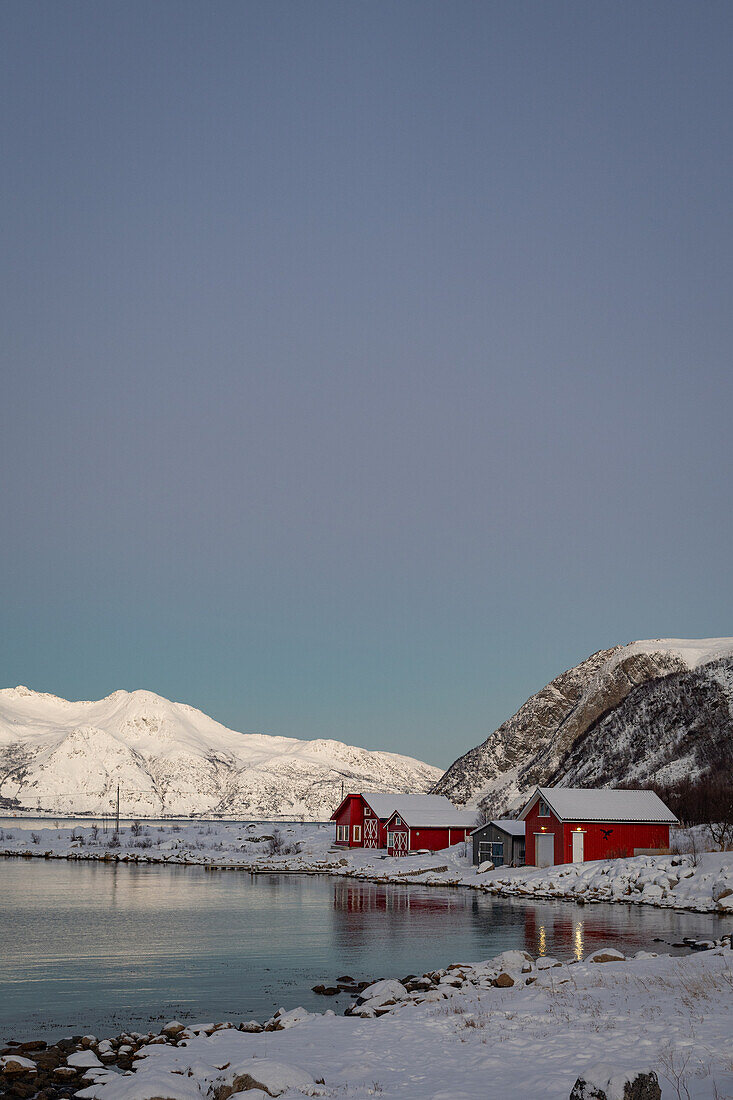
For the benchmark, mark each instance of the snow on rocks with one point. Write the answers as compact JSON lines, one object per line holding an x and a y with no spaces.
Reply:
{"x":604,"y":1083}
{"x":84,"y":1059}
{"x":560,"y":1030}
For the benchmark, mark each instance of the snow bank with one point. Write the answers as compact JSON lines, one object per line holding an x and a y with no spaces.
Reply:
{"x":529,"y":1030}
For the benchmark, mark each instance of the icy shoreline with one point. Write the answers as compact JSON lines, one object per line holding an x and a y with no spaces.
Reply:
{"x":531,"y":1027}
{"x":694,"y":882}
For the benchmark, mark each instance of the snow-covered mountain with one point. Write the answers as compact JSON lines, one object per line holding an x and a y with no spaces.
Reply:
{"x":649,"y":711}
{"x":65,"y":757}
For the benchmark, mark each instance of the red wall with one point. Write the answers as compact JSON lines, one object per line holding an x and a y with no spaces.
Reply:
{"x":533,"y":823}
{"x":622,"y":840}
{"x":430,"y":838}
{"x":352,"y":813}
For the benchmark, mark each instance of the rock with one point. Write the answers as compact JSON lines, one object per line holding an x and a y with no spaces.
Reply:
{"x":31,"y":1045}
{"x":14,"y":1065}
{"x":273,"y":1078}
{"x":88,"y":1041}
{"x":173,"y":1028}
{"x":84,"y":1059}
{"x":602,"y":1083}
{"x":482,"y":868}
{"x":503,"y":981}
{"x":389,"y":989}
{"x":346,"y":978}
{"x":606,"y":955}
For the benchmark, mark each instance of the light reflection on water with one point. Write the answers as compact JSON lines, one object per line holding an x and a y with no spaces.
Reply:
{"x":97,"y":948}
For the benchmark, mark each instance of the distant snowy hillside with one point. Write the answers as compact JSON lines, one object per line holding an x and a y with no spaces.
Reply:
{"x":649,"y":711}
{"x":66,"y":757}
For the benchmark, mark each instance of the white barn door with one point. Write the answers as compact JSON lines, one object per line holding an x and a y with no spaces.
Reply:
{"x":578,"y":846}
{"x":371,"y":832}
{"x":400,"y":844}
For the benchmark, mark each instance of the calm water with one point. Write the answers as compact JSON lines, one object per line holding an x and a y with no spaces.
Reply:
{"x":95,"y":948}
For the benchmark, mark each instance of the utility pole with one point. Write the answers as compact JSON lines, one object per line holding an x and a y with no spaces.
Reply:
{"x":117,"y":830}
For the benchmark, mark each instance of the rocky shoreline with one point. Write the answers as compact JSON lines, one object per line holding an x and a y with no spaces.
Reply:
{"x":39,"y":1070}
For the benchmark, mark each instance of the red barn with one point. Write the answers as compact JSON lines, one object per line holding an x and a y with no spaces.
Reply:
{"x":572,"y":824}
{"x":429,"y":821}
{"x":361,"y":821}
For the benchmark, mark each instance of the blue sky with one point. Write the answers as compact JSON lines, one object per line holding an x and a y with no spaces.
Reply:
{"x":364,"y":365}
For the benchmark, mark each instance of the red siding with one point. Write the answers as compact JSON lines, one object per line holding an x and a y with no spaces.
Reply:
{"x":434,"y":839}
{"x":533,"y":823}
{"x":352,"y":813}
{"x":622,"y":838}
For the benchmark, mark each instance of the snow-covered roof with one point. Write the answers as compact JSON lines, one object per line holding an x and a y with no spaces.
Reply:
{"x":506,"y":824}
{"x":384,"y":805}
{"x":431,"y":810}
{"x":581,"y":804}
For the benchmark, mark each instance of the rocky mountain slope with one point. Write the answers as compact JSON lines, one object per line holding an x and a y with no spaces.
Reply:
{"x":649,"y":711}
{"x":68,"y":757}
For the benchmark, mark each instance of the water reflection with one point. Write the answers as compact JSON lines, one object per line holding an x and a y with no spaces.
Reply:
{"x":94,"y":947}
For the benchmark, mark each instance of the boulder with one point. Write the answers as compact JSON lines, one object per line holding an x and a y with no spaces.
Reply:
{"x":606,"y":955}
{"x":14,"y":1065}
{"x":482,"y":868}
{"x":173,"y":1028}
{"x":388,"y":989}
{"x":601,"y":1082}
{"x":84,"y":1059}
{"x":273,"y":1078}
{"x":504,"y":980}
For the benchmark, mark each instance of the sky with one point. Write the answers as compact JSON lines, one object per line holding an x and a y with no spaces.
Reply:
{"x":364,"y":365}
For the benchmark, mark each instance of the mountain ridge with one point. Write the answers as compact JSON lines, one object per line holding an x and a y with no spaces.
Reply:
{"x":593,"y":725}
{"x":65,"y":756}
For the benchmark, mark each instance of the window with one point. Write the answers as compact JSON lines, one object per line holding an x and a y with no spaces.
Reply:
{"x":521,"y":856}
{"x":367,"y":812}
{"x":543,"y":810}
{"x":342,"y":832}
{"x":390,"y":840}
{"x":398,"y":821}
{"x":356,"y":833}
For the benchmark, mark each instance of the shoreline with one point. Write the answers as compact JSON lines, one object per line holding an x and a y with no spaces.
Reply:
{"x":516,"y":887}
{"x":463,"y":995}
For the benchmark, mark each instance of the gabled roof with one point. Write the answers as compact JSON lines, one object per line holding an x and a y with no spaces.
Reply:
{"x":431,"y":811}
{"x":506,"y":824}
{"x":581,"y":804}
{"x":384,"y":805}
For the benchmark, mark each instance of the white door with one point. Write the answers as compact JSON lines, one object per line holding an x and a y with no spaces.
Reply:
{"x":544,"y":849}
{"x":578,"y":839}
{"x":400,"y":844}
{"x":371,"y":832}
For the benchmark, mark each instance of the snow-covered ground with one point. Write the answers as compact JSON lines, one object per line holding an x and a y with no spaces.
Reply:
{"x":509,"y":1028}
{"x":697,"y":881}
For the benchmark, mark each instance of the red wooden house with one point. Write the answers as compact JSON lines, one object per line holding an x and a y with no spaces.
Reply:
{"x":431,"y":823}
{"x":572,"y":824}
{"x":361,"y":819}
{"x":425,"y":821}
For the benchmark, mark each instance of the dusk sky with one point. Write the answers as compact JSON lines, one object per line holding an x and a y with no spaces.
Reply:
{"x":365,"y":364}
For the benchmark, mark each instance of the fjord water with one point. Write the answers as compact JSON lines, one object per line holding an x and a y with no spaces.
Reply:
{"x":94,"y":948}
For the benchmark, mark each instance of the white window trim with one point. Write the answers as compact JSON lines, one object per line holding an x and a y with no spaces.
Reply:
{"x":342,"y":833}
{"x":543,"y":812}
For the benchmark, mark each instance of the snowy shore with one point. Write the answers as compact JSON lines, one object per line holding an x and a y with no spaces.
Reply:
{"x":696,"y":882}
{"x":511,"y":1027}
